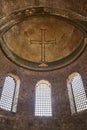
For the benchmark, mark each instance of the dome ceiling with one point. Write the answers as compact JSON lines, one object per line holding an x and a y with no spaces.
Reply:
{"x":41,"y":40}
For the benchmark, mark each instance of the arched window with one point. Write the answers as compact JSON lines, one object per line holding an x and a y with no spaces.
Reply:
{"x":77,"y":95}
{"x":43,"y":99}
{"x":9,"y":96}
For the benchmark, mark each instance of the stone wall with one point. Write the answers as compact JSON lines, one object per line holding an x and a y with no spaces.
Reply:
{"x":24,"y":119}
{"x":8,"y":6}
{"x":62,"y":119}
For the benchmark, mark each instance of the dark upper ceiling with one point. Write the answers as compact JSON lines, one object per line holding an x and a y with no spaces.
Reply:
{"x":79,"y":6}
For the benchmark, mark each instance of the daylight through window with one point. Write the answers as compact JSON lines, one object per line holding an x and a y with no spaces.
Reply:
{"x":78,"y":92}
{"x":7,"y":93}
{"x":43,"y":99}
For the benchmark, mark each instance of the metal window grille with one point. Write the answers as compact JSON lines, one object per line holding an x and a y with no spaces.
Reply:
{"x":43,"y":100}
{"x":79,"y":93}
{"x":7,"y":94}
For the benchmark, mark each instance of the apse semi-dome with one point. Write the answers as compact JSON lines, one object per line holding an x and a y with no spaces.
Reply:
{"x":40,"y":40}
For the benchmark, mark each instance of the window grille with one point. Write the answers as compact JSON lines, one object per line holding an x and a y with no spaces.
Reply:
{"x":10,"y":92}
{"x":78,"y":93}
{"x":7,"y":94}
{"x":43,"y":100}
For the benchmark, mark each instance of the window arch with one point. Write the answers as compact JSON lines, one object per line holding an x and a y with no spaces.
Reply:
{"x":76,"y":91}
{"x":43,"y":99}
{"x":9,"y":95}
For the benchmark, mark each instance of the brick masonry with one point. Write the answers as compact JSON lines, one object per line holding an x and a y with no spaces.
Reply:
{"x":24,"y":119}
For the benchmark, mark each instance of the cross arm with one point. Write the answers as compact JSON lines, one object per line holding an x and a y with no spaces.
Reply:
{"x":35,"y":42}
{"x":51,"y":42}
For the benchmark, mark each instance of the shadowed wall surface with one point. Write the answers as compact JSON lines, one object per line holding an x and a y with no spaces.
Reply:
{"x":24,"y":118}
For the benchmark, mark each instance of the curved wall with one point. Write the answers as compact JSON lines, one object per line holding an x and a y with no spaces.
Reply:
{"x":62,"y":119}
